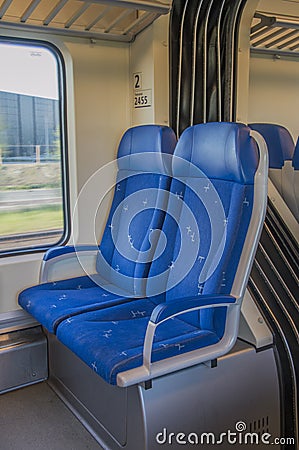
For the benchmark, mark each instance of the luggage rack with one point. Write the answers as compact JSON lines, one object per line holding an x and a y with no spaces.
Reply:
{"x":278,"y":36}
{"x":117,"y":20}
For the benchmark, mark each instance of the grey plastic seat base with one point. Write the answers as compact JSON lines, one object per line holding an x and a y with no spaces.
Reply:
{"x":243,"y":387}
{"x":23,"y":357}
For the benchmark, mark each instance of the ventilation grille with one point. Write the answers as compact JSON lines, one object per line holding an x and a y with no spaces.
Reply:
{"x":118,"y":20}
{"x":259,"y":426}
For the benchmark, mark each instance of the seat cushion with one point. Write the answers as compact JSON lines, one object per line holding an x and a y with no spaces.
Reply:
{"x":111,"y":340}
{"x":50,"y":303}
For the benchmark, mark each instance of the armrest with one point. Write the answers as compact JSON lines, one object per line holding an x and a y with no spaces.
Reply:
{"x":64,"y":250}
{"x":165,"y":311}
{"x":66,"y":262}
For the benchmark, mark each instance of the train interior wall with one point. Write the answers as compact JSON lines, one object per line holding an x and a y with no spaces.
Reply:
{"x":100,"y":107}
{"x":100,"y":96}
{"x":270,"y":99}
{"x":268,"y":87}
{"x":265,"y":78}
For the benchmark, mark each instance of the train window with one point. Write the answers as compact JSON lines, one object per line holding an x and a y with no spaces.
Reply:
{"x":32,"y":150}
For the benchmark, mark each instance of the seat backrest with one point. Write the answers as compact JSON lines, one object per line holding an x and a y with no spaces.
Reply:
{"x":281,"y":149}
{"x":209,"y":218}
{"x":295,"y":160}
{"x":279,"y":142}
{"x":138,"y":206}
{"x":295,"y":167}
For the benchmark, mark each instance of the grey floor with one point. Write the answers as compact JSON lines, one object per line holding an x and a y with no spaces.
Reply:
{"x":34,"y":418}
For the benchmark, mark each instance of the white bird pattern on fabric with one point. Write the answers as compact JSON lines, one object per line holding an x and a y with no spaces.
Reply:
{"x":94,"y":367}
{"x":138,"y":313}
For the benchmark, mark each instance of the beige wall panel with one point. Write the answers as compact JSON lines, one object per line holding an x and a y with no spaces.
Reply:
{"x":149,"y":58}
{"x":274,"y":92}
{"x":101,"y":92}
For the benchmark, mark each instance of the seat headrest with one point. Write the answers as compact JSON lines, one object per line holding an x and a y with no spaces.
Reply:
{"x":156,"y":140}
{"x":279,"y":142}
{"x":221,"y":150}
{"x":295,"y":162}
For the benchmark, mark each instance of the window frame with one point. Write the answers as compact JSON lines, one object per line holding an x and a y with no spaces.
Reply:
{"x":64,"y":151}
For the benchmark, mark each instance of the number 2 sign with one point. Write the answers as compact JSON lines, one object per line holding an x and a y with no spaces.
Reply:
{"x":142,"y":97}
{"x":137,"y":80}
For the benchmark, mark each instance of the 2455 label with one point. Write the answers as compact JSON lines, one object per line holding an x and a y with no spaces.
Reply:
{"x":143,"y":99}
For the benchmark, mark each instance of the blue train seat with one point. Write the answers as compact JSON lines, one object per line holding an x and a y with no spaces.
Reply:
{"x":281,"y":149}
{"x":141,"y":186}
{"x":279,"y":141}
{"x":295,"y":167}
{"x":214,"y":217}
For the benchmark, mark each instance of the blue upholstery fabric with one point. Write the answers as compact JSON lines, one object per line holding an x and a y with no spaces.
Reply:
{"x":221,"y":150}
{"x":281,"y":159}
{"x":145,"y":174}
{"x":141,"y":179}
{"x":50,"y":303}
{"x":237,"y":202}
{"x":295,"y":179}
{"x":207,"y":219}
{"x":295,"y":162}
{"x":111,"y":340}
{"x":121,"y":254}
{"x":279,"y":142}
{"x":229,"y":169}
